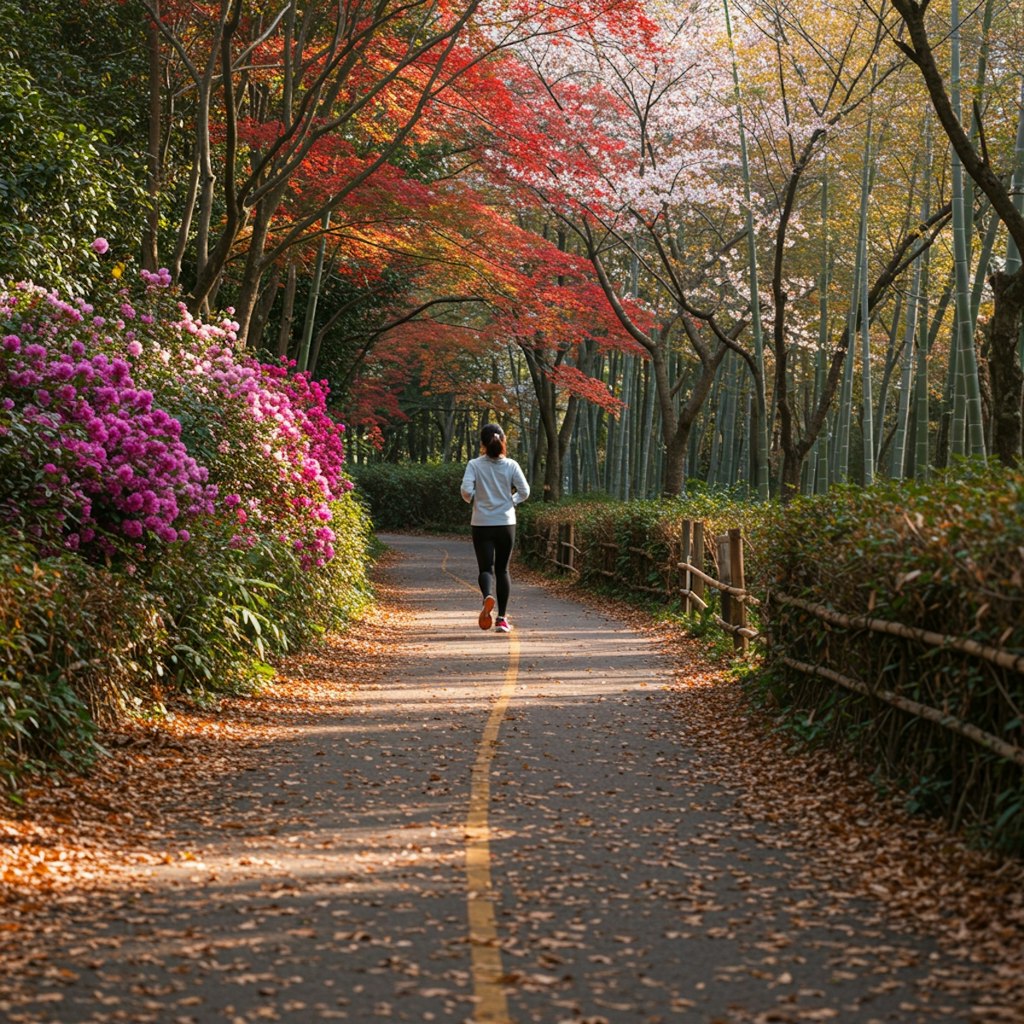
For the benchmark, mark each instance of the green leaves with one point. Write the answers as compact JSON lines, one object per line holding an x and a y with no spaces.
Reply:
{"x":413,"y":496}
{"x":60,"y":187}
{"x":70,"y":114}
{"x":947,"y":558}
{"x":77,"y":645}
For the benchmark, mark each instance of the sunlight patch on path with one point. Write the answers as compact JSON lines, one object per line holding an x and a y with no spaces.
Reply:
{"x":485,"y":950}
{"x":483,"y":932}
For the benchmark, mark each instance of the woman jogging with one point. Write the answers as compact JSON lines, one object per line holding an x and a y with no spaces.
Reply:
{"x":494,"y":484}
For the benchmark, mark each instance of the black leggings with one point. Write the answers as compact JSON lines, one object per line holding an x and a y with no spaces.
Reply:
{"x":493,"y":547}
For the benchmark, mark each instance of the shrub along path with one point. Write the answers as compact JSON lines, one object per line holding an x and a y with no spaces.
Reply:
{"x":424,"y":822}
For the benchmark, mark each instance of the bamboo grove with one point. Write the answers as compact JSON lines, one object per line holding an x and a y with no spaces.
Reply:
{"x":770,"y":246}
{"x":846,"y":287}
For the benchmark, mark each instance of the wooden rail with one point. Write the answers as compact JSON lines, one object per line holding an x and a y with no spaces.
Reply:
{"x":996,"y":655}
{"x":557,"y":547}
{"x":735,"y":596}
{"x":943,"y":718}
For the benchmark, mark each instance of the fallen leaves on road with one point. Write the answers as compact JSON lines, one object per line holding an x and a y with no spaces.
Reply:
{"x":855,"y":843}
{"x":78,"y":835}
{"x":76,"y":830}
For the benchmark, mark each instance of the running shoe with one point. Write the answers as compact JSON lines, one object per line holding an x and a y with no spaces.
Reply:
{"x":503,"y":625}
{"x":486,"y":612}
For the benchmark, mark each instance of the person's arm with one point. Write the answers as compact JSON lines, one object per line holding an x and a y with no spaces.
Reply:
{"x":469,"y":483}
{"x":520,"y":484}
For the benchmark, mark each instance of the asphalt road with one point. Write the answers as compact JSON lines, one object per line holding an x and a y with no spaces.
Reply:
{"x":510,"y":828}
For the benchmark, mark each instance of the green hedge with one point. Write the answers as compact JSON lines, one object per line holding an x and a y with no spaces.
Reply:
{"x":231,"y":610}
{"x":79,"y":646}
{"x":947,"y":558}
{"x":84,"y":647}
{"x":653,"y":527}
{"x":412,"y":496}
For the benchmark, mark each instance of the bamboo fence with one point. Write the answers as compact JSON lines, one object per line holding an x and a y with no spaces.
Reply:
{"x":686,"y":577}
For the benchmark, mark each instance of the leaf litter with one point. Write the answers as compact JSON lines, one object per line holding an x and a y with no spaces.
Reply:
{"x":80,"y":840}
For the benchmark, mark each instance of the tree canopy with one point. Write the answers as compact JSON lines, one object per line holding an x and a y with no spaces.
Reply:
{"x":769,"y":246}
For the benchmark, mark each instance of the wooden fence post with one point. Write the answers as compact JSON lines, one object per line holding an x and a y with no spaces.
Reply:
{"x":566,"y":547}
{"x":737,"y":608}
{"x":687,"y":577}
{"x":725,"y":573}
{"x":697,"y":559}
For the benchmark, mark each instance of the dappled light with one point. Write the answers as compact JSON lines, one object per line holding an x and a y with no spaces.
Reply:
{"x":511,"y":512}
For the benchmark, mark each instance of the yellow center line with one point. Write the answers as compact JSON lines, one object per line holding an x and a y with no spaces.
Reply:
{"x":485,"y":951}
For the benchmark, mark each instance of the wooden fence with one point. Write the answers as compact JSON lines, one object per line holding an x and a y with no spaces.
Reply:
{"x":684,"y":575}
{"x":830,"y":618}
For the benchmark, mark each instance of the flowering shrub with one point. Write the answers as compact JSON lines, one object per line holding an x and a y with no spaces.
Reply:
{"x":115,"y":466}
{"x":200,"y":492}
{"x":277,"y":454}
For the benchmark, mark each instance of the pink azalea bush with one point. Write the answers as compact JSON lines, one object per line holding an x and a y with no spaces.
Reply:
{"x":187,"y":502}
{"x":279,"y":454}
{"x":104,"y":394}
{"x":115,"y":466}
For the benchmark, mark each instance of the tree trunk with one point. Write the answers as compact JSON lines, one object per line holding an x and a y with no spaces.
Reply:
{"x":548,"y":411}
{"x":284,"y":336}
{"x":258,"y":324}
{"x":150,"y":252}
{"x":674,"y":476}
{"x":1004,"y":365}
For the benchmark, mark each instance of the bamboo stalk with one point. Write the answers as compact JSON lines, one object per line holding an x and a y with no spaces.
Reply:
{"x":922,"y":463}
{"x":868,"y":418}
{"x":996,"y":655}
{"x":967,"y":432}
{"x":820,"y":451}
{"x":947,"y":721}
{"x":736,"y":592}
{"x":1013,"y":256}
{"x":760,"y":443}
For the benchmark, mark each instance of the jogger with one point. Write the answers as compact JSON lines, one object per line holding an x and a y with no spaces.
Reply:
{"x":494,"y":484}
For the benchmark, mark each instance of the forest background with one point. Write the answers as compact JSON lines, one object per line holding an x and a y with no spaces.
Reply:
{"x":760,"y":250}
{"x":659,"y":241}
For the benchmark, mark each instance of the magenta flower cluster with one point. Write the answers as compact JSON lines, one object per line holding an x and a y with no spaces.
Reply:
{"x":116,"y":465}
{"x":282,"y":419}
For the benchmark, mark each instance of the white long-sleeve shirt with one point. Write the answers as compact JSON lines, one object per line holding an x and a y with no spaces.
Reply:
{"x":495,"y":487}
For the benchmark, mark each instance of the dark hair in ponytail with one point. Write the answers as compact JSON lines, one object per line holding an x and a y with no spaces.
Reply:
{"x":492,"y":440}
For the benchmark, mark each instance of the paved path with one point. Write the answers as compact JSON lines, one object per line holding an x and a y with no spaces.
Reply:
{"x":510,"y":829}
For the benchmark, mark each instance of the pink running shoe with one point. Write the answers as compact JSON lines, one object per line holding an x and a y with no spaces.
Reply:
{"x":503,"y":625}
{"x":485,"y":612}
